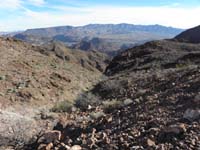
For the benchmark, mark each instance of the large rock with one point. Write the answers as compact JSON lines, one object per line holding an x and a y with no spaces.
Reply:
{"x":173,"y":131}
{"x":50,"y":136}
{"x":191,"y":114}
{"x":75,"y":147}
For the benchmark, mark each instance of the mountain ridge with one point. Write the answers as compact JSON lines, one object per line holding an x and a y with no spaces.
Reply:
{"x":118,"y":35}
{"x":191,"y":36}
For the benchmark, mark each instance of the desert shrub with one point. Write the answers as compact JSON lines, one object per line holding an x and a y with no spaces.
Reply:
{"x":64,"y":106}
{"x":108,"y":106}
{"x":111,"y":85}
{"x":86,"y":99}
{"x":179,"y":66}
{"x":12,"y":90}
{"x":111,"y":89}
{"x":2,"y":77}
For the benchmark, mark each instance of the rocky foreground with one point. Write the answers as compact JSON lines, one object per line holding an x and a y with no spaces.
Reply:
{"x":151,"y":100}
{"x":159,"y":111}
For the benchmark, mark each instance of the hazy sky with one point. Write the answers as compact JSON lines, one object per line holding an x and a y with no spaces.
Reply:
{"x":24,"y":14}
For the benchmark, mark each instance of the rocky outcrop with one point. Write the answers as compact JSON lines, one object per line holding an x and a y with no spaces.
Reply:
{"x":97,"y":44}
{"x":90,"y":60}
{"x":190,"y":36}
{"x":155,"y":55}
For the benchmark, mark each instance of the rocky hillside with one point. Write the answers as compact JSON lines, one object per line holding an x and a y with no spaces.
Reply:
{"x":33,"y":79}
{"x":114,"y":37}
{"x":26,"y":68}
{"x":151,"y":100}
{"x":155,"y":55}
{"x":190,"y":36}
{"x":96,"y":44}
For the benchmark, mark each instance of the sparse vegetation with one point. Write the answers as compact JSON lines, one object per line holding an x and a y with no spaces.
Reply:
{"x":86,"y":99}
{"x":111,"y":105}
{"x":179,"y":66}
{"x":112,"y":85}
{"x":2,"y":77}
{"x":64,"y":106}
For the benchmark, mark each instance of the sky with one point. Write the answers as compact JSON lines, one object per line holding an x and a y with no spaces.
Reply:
{"x":18,"y":15}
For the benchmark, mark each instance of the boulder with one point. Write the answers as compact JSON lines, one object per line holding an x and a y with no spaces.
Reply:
{"x":50,"y":137}
{"x":191,"y":114}
{"x":150,"y":143}
{"x":75,"y":147}
{"x":173,"y":131}
{"x":128,"y":102}
{"x":97,"y":115}
{"x":197,"y":99}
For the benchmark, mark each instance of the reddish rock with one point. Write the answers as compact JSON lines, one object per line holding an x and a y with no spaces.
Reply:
{"x":150,"y":142}
{"x":50,"y":136}
{"x":75,"y":147}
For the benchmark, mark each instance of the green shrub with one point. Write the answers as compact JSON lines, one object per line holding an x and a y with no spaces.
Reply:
{"x":64,"y":106}
{"x":111,"y":85}
{"x":179,"y":66}
{"x":86,"y":99}
{"x":2,"y":77}
{"x":111,"y":105}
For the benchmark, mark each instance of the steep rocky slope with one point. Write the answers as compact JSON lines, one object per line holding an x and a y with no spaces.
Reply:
{"x":33,"y":79}
{"x":96,"y":44}
{"x":159,"y":110}
{"x":190,"y":36}
{"x":155,"y":55}
{"x":26,"y":68}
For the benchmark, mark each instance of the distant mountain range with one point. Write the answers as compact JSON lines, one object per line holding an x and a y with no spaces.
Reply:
{"x":5,"y":33}
{"x":1,"y":33}
{"x":10,"y":33}
{"x":104,"y":37}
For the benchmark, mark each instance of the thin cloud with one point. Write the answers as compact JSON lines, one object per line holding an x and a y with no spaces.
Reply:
{"x":177,"y":17}
{"x":18,"y":4}
{"x":165,"y":15}
{"x":36,"y":2}
{"x":10,"y":4}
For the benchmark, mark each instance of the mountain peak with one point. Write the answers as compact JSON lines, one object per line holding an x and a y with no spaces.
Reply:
{"x":191,"y":35}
